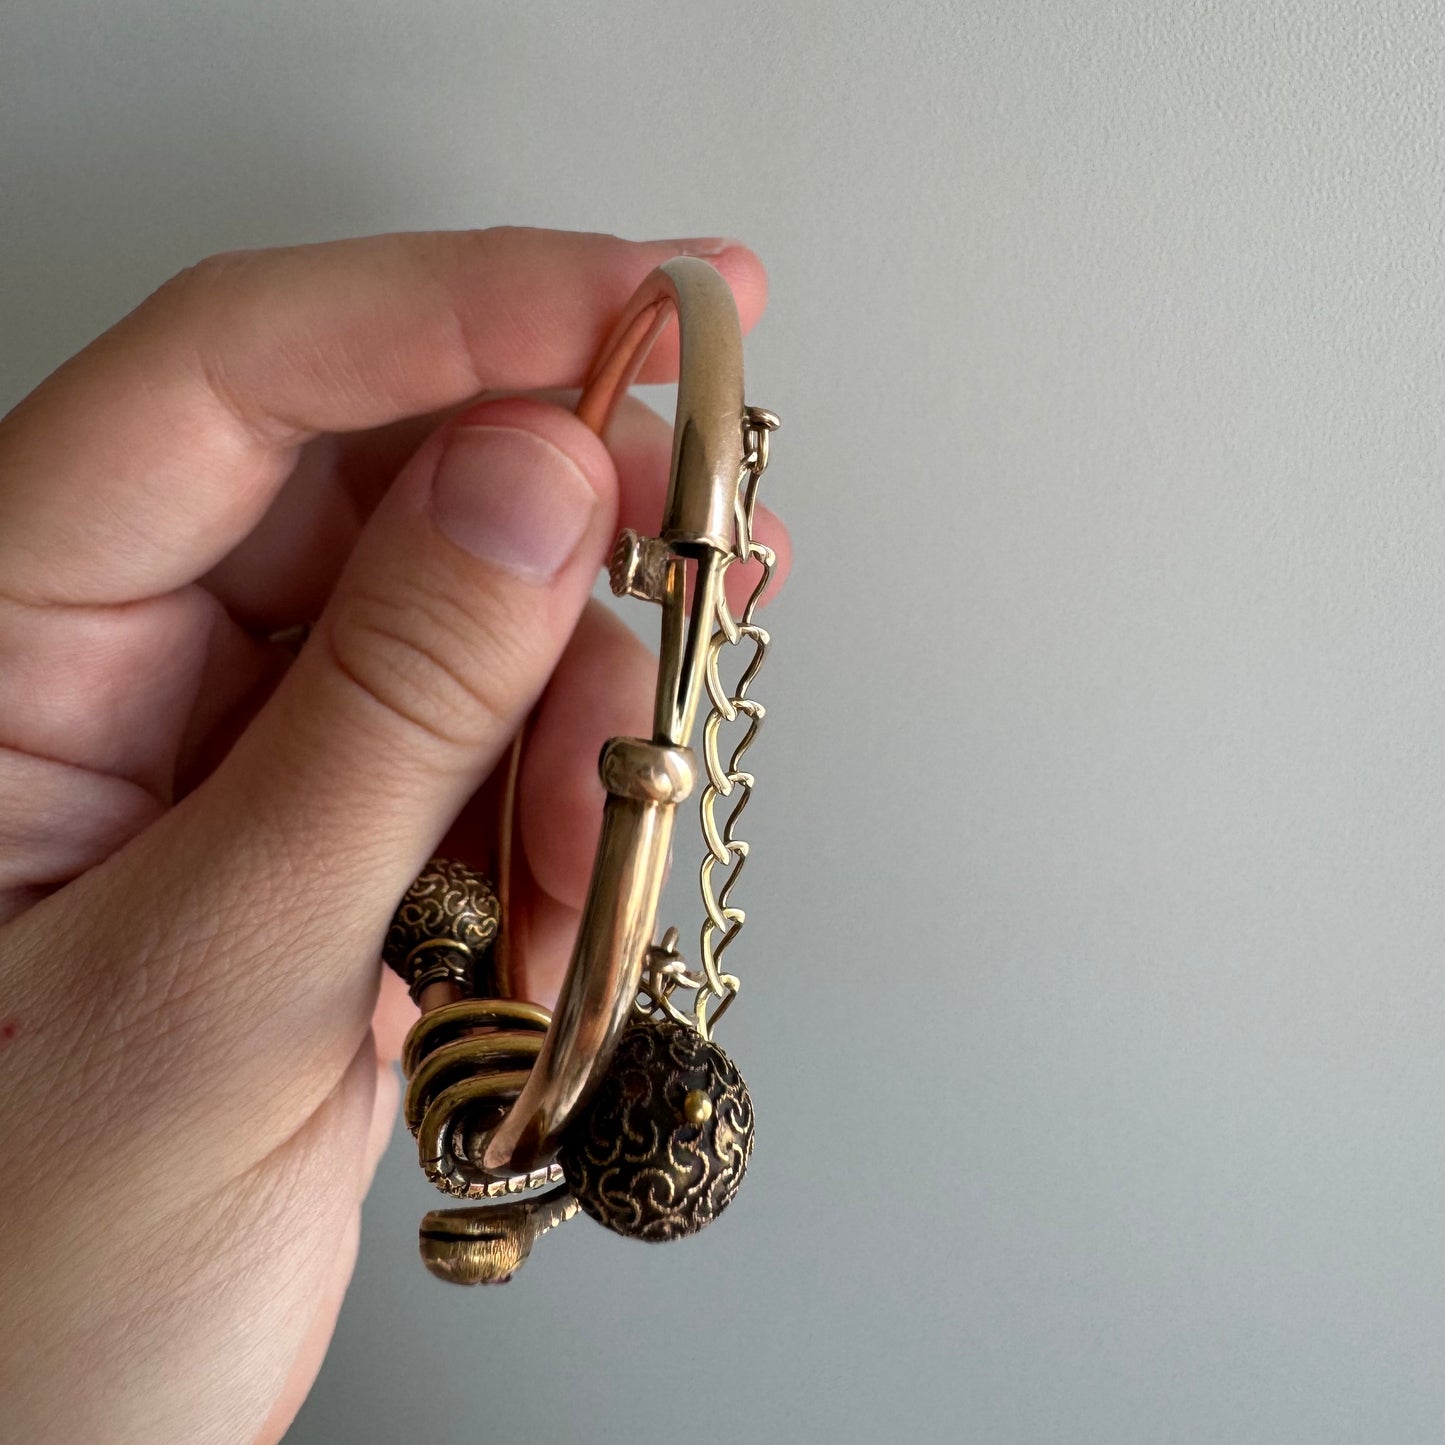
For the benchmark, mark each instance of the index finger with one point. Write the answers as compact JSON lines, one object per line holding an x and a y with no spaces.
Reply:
{"x":144,"y":459}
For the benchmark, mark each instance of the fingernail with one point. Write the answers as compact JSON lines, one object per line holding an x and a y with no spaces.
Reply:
{"x":707,"y":246}
{"x":512,"y":499}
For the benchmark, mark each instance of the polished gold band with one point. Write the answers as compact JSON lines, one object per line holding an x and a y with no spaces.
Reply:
{"x":645,"y":779}
{"x":504,"y":1098}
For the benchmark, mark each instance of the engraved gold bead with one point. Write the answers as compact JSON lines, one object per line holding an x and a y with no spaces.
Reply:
{"x":661,"y":1149}
{"x":443,"y":929}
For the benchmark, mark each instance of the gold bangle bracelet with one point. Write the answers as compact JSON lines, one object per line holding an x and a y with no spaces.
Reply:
{"x":619,"y":1100}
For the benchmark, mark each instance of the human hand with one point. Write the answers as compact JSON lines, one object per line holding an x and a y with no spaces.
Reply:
{"x":203,"y":840}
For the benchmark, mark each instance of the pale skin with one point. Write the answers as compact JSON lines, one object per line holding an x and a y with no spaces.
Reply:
{"x":202,"y":838}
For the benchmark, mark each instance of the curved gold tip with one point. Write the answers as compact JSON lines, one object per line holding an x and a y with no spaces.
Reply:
{"x":489,"y":1245}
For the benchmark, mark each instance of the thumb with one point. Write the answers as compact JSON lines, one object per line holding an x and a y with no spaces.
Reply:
{"x":232,"y":947}
{"x":444,"y":627}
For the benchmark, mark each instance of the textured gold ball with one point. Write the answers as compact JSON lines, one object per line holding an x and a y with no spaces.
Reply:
{"x":443,"y":928}
{"x":661,"y":1149}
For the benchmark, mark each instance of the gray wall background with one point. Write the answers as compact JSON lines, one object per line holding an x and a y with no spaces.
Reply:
{"x":1092,"y":999}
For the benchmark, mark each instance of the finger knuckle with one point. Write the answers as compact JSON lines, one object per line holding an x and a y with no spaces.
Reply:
{"x":204,"y":281}
{"x":428,"y":660}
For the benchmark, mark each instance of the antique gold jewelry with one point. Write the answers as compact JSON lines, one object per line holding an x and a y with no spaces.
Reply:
{"x":621,"y":1091}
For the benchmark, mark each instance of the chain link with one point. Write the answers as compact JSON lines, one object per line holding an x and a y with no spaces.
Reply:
{"x":666,"y":972}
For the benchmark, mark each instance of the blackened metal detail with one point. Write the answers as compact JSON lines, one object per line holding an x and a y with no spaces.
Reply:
{"x":442,"y":928}
{"x":645,"y":1158}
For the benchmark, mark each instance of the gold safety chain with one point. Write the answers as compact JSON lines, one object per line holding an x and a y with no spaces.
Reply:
{"x":666,"y":972}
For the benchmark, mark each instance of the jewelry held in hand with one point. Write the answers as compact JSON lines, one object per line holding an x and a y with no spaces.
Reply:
{"x":619,"y":1103}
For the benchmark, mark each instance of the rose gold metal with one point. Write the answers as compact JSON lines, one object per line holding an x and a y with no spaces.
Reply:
{"x":438,"y":995}
{"x":490,"y":1095}
{"x":646,"y":781}
{"x":505,"y":952}
{"x":645,"y":778}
